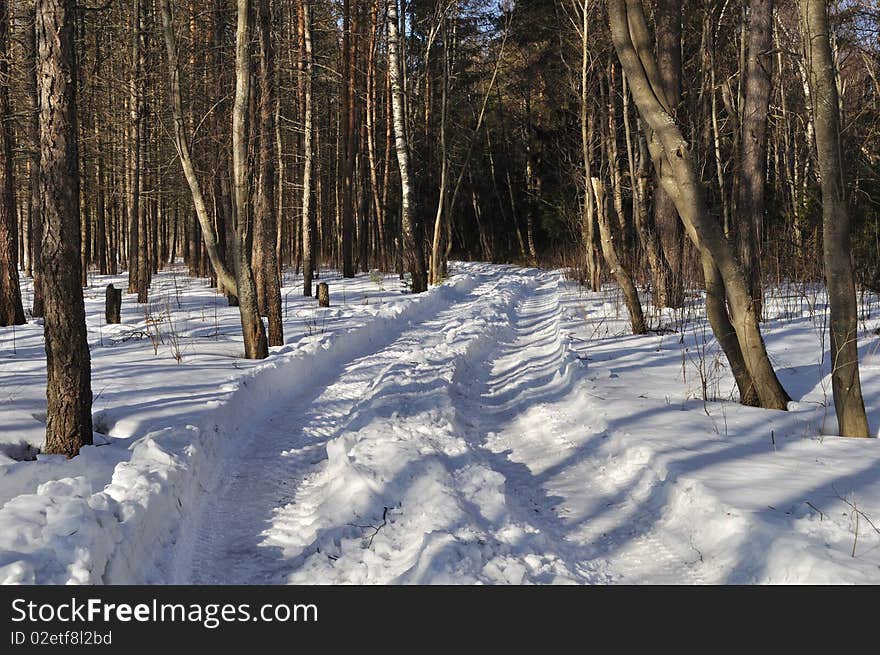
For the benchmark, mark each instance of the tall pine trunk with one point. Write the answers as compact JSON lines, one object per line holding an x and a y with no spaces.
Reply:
{"x":308,"y":221}
{"x":68,"y":364}
{"x":11,"y":309}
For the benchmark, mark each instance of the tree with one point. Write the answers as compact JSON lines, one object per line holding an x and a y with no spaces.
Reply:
{"x":68,"y":364}
{"x":347,"y":122}
{"x":668,"y":18}
{"x":845,"y":383}
{"x":253,"y":331}
{"x":265,"y":227}
{"x":182,"y":143}
{"x":750,"y":200}
{"x":11,"y":309}
{"x":137,"y":282}
{"x":308,"y":221}
{"x":33,"y":123}
{"x":410,"y":221}
{"x":673,"y":161}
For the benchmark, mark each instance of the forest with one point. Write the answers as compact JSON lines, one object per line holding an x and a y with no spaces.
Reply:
{"x":706,"y":162}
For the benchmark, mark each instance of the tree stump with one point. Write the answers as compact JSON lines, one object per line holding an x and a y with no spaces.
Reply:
{"x":323,"y":295}
{"x":113,"y":306}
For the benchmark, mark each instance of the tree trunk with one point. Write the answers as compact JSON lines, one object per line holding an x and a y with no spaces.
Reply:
{"x":589,"y":229}
{"x":348,"y":140}
{"x":264,"y":220}
{"x":434,"y":274}
{"x":253,"y":331}
{"x":101,"y":225}
{"x":308,"y":238}
{"x":143,"y":262}
{"x":68,"y":365}
{"x":611,"y":246}
{"x":410,"y":221}
{"x":11,"y":309}
{"x":609,"y":251}
{"x":371,"y":100}
{"x":36,"y":212}
{"x":134,"y":148}
{"x":112,"y":304}
{"x":750,"y":200}
{"x":668,"y":19}
{"x":845,"y":381}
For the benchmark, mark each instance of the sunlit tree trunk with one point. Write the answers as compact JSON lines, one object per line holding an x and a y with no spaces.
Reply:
{"x":846,"y":386}
{"x":411,"y":223}
{"x":253,"y":331}
{"x":673,"y":161}
{"x":308,"y":220}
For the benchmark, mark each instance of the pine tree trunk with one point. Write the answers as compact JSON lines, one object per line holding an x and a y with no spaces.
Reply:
{"x":143,"y":261}
{"x":36,"y":212}
{"x":308,"y":221}
{"x":134,"y":150}
{"x":11,"y":309}
{"x":68,"y":365}
{"x":347,"y":121}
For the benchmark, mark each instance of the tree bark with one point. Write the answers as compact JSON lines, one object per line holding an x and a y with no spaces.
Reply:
{"x":668,"y":21}
{"x":134,"y":148}
{"x":410,"y":222}
{"x":308,"y":237}
{"x":348,"y":140}
{"x":751,"y":194}
{"x":265,"y":226}
{"x":845,"y":382}
{"x":68,"y":364}
{"x":36,"y":212}
{"x":253,"y":331}
{"x":11,"y":309}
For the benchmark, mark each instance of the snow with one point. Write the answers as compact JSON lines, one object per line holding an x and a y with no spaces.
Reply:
{"x":500,"y":429}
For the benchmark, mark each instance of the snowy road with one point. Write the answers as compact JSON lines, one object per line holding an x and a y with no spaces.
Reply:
{"x":386,"y":472}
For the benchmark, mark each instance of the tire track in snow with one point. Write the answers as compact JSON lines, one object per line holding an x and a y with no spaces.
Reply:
{"x":474,"y":516}
{"x":528,"y":372}
{"x":252,"y":524}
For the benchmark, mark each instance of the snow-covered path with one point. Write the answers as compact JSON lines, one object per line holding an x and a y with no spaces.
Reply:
{"x":384,"y":471}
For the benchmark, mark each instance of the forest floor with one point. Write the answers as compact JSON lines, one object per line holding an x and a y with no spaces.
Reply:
{"x":501,"y":428}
